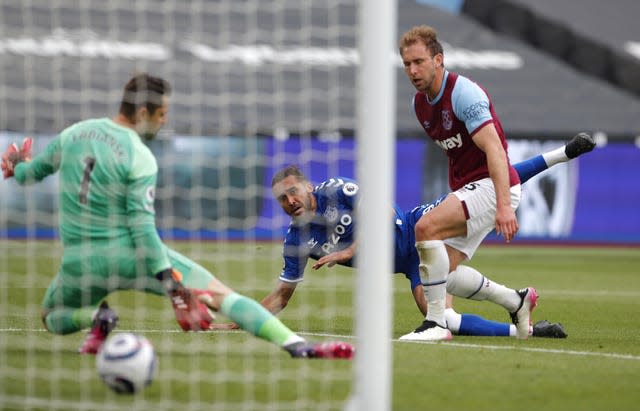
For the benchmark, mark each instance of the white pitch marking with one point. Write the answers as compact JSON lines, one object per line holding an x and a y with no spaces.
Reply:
{"x":443,"y":344}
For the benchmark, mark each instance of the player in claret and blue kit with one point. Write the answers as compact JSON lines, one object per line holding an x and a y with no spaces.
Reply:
{"x":459,"y":116}
{"x":323,"y":228}
{"x":107,"y":227}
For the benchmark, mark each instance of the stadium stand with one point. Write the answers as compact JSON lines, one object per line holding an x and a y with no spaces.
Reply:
{"x":601,"y":39}
{"x":63,"y":68}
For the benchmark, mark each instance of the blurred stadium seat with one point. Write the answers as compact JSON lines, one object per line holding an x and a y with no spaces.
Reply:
{"x":590,"y":35}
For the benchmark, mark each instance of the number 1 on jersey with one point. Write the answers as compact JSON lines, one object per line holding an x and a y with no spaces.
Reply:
{"x":89,"y":162}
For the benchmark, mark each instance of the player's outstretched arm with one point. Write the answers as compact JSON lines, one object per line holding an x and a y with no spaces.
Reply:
{"x":279,"y":297}
{"x":337,"y":257}
{"x":274,"y":303}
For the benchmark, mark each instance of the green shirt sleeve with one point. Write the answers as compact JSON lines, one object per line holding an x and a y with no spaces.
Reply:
{"x":141,"y":212}
{"x":41,"y":166}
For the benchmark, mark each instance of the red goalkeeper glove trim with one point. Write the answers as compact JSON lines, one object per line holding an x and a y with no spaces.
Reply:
{"x":191,"y":314}
{"x":13,"y":156}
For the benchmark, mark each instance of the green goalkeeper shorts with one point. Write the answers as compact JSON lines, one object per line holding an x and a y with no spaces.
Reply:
{"x":88,"y":274}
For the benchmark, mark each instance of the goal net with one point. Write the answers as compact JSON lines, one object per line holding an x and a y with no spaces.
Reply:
{"x":256,"y":85}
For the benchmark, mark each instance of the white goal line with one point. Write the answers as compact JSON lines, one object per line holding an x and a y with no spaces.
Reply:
{"x":448,"y":344}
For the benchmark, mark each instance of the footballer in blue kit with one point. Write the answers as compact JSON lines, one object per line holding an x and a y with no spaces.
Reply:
{"x":330,"y":229}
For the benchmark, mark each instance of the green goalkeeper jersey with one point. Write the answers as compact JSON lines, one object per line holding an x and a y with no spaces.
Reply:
{"x":107,"y":188}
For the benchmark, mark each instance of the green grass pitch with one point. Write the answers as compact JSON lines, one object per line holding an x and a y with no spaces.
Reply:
{"x":593,"y":291}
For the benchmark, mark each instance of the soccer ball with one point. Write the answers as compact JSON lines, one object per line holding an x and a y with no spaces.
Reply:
{"x":127,"y":363}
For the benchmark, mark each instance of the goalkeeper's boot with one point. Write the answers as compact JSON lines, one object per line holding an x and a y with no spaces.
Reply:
{"x":428,"y":331}
{"x":104,"y":321}
{"x":329,"y":350}
{"x":522,"y":316}
{"x":549,"y":330}
{"x":580,"y":143}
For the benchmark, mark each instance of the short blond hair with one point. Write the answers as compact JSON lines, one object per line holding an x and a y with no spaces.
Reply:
{"x":421,"y":34}
{"x":290,"y":170}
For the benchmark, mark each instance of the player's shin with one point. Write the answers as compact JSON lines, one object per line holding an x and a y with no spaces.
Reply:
{"x":469,"y":283}
{"x":434,"y":267}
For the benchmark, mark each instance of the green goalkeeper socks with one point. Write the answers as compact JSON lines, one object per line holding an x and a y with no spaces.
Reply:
{"x":255,"y":319}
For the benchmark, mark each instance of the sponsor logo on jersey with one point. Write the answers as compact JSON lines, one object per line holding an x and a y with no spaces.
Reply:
{"x":426,"y":124}
{"x":451,"y":142}
{"x":331,"y":214}
{"x":477,"y":110}
{"x":334,"y":238}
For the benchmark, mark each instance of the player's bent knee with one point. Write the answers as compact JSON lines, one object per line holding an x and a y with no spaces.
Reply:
{"x":424,"y":228}
{"x":56,"y":325}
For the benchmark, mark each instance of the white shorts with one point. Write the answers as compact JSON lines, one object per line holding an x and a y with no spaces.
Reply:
{"x":479,"y":201}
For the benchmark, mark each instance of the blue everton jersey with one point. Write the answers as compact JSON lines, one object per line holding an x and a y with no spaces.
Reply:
{"x":333,"y":229}
{"x":406,"y":259}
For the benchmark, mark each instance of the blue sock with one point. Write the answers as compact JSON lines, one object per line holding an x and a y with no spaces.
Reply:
{"x":529,"y":168}
{"x":475,"y":325}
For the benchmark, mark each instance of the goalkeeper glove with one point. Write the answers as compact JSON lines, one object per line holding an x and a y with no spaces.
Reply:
{"x":191,"y":314}
{"x":13,"y":156}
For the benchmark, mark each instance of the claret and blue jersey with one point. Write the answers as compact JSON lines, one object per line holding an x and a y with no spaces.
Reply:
{"x":452,"y":118}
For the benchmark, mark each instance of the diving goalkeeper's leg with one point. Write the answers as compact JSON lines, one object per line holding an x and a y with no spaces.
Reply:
{"x":63,"y":312}
{"x":69,"y":320}
{"x":103,"y":322}
{"x":248,"y":314}
{"x":257,"y":320}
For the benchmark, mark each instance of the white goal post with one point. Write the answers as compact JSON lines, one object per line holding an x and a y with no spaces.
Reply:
{"x":376,"y":172}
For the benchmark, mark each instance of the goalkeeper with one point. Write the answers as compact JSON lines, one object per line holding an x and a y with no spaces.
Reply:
{"x":323,"y":228}
{"x":107,"y":227}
